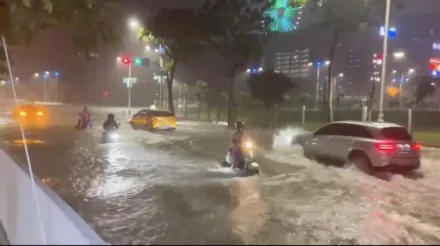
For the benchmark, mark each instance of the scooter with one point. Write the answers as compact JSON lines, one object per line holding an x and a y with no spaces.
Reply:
{"x":110,"y":135}
{"x":250,"y":165}
{"x":82,"y":124}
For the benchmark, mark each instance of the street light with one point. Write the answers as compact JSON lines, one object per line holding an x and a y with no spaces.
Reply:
{"x":384,"y":64}
{"x":133,"y":23}
{"x":403,"y":80}
{"x":398,"y":55}
{"x":341,"y":75}
{"x":36,"y":75}
{"x":318,"y":68}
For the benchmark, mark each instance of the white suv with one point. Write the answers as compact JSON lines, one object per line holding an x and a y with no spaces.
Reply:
{"x":370,"y":144}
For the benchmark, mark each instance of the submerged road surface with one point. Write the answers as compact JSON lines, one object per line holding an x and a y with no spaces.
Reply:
{"x":167,"y":188}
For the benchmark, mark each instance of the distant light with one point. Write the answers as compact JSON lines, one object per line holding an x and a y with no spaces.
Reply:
{"x":434,"y":73}
{"x":133,"y":23}
{"x":17,"y":79}
{"x":248,"y":70}
{"x":341,"y":75}
{"x":36,"y":75}
{"x":260,"y":69}
{"x":156,"y":50}
{"x":392,"y":32}
{"x":394,"y":71}
{"x":310,"y":64}
{"x":153,"y":107}
{"x":57,"y":74}
{"x":411,"y":70}
{"x":399,"y":54}
{"x":147,"y":47}
{"x":327,"y":63}
{"x":47,"y":72}
{"x":118,"y":58}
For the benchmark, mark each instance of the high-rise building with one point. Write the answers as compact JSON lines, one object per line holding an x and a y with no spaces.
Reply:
{"x":293,"y":64}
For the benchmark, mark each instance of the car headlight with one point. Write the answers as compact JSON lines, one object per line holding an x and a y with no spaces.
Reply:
{"x":249,"y":145}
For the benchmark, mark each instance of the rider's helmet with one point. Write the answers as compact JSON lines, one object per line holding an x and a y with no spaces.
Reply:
{"x":239,"y":125}
{"x":111,"y":116}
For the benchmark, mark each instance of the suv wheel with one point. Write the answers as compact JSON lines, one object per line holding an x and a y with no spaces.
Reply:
{"x":362,"y":162}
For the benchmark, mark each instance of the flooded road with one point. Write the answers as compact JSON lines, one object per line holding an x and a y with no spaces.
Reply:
{"x":167,"y":188}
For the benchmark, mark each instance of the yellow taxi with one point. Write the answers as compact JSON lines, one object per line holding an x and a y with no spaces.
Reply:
{"x":30,"y":114}
{"x":151,"y":119}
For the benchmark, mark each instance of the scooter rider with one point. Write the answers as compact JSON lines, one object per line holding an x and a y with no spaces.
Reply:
{"x":110,"y":123}
{"x":237,"y":141}
{"x":85,"y":116}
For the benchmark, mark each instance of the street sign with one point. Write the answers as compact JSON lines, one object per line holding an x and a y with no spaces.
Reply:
{"x":132,"y":80}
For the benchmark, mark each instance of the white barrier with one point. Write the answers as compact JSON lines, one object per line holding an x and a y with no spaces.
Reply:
{"x":19,"y":217}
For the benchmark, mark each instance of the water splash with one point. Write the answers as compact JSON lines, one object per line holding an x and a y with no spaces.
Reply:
{"x":284,"y":138}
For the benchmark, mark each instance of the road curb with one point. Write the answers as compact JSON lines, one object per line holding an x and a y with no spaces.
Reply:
{"x":430,"y":146}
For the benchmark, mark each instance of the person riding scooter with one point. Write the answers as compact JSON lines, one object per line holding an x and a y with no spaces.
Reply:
{"x":237,"y":144}
{"x":85,"y":117}
{"x":110,"y":123}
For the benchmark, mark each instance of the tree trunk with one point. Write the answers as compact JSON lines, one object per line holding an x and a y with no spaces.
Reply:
{"x":198,"y":110}
{"x":208,"y":110}
{"x":329,"y":74}
{"x":231,"y":97}
{"x":170,"y":80}
{"x":330,"y":100}
{"x":231,"y":106}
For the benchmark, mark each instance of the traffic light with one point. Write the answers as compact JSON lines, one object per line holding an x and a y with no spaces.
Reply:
{"x":126,"y":60}
{"x":138,"y":61}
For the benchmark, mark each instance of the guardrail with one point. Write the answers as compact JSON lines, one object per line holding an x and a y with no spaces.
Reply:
{"x":19,"y":217}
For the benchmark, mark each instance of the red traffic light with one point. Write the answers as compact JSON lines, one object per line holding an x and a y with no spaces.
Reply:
{"x":126,"y":60}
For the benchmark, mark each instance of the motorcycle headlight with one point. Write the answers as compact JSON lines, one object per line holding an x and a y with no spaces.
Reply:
{"x":114,"y":136}
{"x":249,"y":145}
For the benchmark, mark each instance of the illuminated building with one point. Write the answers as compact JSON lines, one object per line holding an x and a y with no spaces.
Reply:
{"x":293,"y":64}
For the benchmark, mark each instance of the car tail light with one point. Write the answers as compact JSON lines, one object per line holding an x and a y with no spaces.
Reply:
{"x":386,"y":147}
{"x":416,"y":146}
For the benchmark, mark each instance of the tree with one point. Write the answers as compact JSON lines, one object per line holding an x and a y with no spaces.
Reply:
{"x":179,"y":33}
{"x":269,"y":87}
{"x":425,"y":86}
{"x":237,"y":33}
{"x":341,"y":17}
{"x":22,"y":20}
{"x":200,"y":90}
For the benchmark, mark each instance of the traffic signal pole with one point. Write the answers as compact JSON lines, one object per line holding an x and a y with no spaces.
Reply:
{"x":129,"y":87}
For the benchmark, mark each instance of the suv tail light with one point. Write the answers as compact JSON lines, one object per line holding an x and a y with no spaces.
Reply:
{"x":386,"y":147}
{"x":416,"y":146}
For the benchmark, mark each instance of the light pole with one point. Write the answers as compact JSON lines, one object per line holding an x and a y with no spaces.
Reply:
{"x":45,"y":77}
{"x":57,"y":75}
{"x":129,"y":86}
{"x":402,"y":80}
{"x":384,"y":64}
{"x":318,"y":69}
